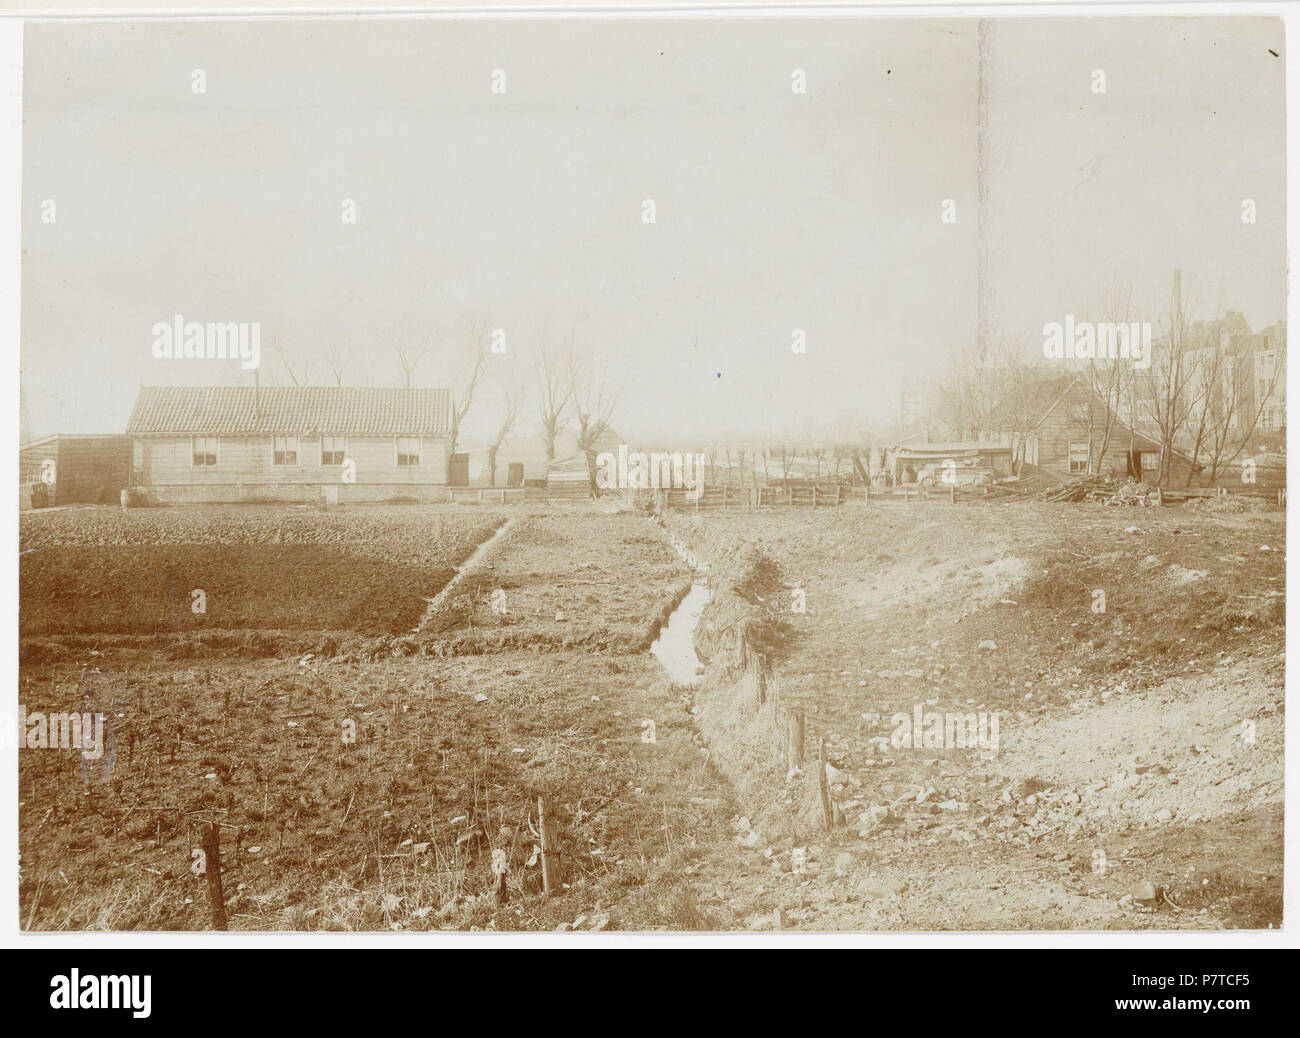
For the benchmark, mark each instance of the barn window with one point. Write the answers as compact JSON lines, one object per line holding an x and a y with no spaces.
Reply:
{"x":203,"y":450}
{"x":332,"y":450}
{"x":408,"y":451}
{"x":1078,"y":457}
{"x":286,"y":450}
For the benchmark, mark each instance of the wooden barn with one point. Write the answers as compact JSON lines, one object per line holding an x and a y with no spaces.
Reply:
{"x":296,"y":443}
{"x":74,"y":469}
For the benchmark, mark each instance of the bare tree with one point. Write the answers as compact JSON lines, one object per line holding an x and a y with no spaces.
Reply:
{"x":511,"y":396}
{"x":1107,"y":380}
{"x":336,"y":359}
{"x":297,"y":369}
{"x":786,"y":454}
{"x":982,"y":387}
{"x":594,"y":400}
{"x":990,"y":389}
{"x":554,"y":396}
{"x":409,"y":347}
{"x":467,"y":364}
{"x":1207,"y":403}
{"x":1225,"y":428}
{"x":1172,"y":382}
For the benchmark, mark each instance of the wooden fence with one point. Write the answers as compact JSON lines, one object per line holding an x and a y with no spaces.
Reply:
{"x":728,"y":498}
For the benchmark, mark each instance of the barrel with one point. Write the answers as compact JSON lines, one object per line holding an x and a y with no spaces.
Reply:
{"x":130,"y":497}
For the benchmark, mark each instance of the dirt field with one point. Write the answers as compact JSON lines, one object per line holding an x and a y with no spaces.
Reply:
{"x":1139,"y":744}
{"x":90,"y":570}
{"x":456,"y":724}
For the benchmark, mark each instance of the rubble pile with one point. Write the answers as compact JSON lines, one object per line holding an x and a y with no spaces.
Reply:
{"x":1102,"y":490}
{"x":1084,"y":488}
{"x":1136,"y":494}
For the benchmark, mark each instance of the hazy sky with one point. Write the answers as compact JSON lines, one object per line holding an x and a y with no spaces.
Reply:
{"x":522,"y":211}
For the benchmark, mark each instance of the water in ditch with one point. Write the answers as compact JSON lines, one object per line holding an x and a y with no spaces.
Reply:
{"x":675,"y":647}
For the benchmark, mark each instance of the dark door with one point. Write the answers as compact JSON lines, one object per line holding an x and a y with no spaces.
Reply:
{"x":458,"y":470}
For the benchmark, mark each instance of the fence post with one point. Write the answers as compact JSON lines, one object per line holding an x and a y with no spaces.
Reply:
{"x":827,"y":816}
{"x":794,"y":738}
{"x":212,"y":866}
{"x":550,"y":845}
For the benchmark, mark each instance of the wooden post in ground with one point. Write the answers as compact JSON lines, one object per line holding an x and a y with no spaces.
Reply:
{"x":212,"y":866}
{"x":550,"y":845}
{"x":794,"y":738}
{"x":501,"y":893}
{"x":952,"y":493}
{"x":827,"y":816}
{"x":760,"y":678}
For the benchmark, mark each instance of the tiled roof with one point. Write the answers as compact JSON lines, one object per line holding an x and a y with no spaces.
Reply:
{"x":332,"y":410}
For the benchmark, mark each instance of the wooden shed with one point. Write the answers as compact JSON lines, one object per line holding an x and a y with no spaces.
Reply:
{"x":75,"y":469}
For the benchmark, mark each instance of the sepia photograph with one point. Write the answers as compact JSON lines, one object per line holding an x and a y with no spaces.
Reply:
{"x":804,"y":473}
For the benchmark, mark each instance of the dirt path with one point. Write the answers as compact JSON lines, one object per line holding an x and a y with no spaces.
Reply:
{"x":468,"y":567}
